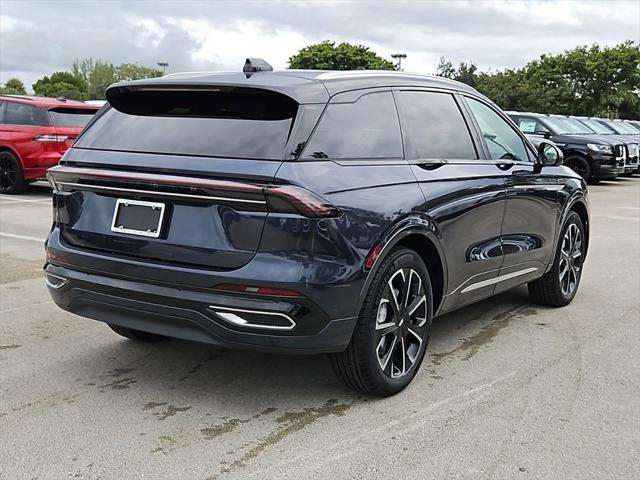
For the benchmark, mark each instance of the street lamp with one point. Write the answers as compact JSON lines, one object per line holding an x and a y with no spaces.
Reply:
{"x":164,"y":66}
{"x":399,"y":57}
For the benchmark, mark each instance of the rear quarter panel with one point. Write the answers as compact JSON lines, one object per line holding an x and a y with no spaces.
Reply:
{"x":373,"y":198}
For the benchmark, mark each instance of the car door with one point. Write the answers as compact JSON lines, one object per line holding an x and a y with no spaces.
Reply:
{"x":464,"y":192}
{"x":532,"y":207}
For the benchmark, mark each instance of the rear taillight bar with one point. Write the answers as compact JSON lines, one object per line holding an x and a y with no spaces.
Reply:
{"x":51,"y":138}
{"x":279,"y":198}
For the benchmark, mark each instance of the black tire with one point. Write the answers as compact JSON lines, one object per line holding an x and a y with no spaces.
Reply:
{"x":11,"y":175}
{"x":359,"y":366}
{"x":580,"y":165}
{"x":137,"y":335}
{"x":551,"y":288}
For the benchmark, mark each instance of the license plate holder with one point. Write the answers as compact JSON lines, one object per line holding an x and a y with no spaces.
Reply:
{"x":135,"y":217}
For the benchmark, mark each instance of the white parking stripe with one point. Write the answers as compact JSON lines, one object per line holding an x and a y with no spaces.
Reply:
{"x":21,"y":237}
{"x":4,"y":200}
{"x":616,"y":217}
{"x":629,"y":208}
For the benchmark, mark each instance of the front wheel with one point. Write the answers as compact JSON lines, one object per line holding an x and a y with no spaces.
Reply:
{"x":392,"y":331}
{"x":559,"y":285}
{"x":580,"y":165}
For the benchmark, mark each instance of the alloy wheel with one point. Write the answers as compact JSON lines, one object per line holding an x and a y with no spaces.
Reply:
{"x":8,"y":172}
{"x":579,"y":167}
{"x":570,"y":260}
{"x":401,"y":323}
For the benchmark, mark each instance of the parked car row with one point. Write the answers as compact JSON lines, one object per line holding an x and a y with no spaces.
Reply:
{"x":34,"y":134}
{"x":595,"y":148}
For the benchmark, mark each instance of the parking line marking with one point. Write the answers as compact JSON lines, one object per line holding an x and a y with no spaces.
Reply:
{"x":21,"y":237}
{"x":629,"y":208}
{"x":13,"y":199}
{"x":616,"y":217}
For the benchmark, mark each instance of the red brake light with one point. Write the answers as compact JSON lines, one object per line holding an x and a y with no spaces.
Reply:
{"x":272,"y":291}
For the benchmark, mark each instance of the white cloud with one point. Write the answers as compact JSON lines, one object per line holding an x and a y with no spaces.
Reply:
{"x":229,"y":46}
{"x":38,"y":37}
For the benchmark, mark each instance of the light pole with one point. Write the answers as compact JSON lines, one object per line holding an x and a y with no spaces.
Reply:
{"x":164,"y":66}
{"x":399,"y":57}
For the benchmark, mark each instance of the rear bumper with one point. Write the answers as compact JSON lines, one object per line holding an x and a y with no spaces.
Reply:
{"x":195,"y":315}
{"x":36,"y":168}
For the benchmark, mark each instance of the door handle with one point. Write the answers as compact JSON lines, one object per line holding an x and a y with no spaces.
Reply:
{"x":430,"y":164}
{"x":504,"y":165}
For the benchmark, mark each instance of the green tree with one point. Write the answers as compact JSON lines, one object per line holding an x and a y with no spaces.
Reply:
{"x":133,"y":71}
{"x":62,"y":84}
{"x":446,"y":69}
{"x":100,"y":77}
{"x":327,"y":56}
{"x":99,"y":74}
{"x":582,"y":81}
{"x":13,"y":86}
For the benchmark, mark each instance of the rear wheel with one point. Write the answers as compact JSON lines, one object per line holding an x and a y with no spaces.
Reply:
{"x":138,"y":335}
{"x":580,"y":165}
{"x":559,"y":285}
{"x":392,"y":332}
{"x":11,"y":175}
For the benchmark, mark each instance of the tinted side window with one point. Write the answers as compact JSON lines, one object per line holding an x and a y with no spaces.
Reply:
{"x":503,"y":142}
{"x":367,"y":128}
{"x":434,"y":127}
{"x":2,"y":112}
{"x":21,"y":114}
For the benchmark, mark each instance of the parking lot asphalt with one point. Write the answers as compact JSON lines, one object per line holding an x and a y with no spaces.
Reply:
{"x":508,"y":390}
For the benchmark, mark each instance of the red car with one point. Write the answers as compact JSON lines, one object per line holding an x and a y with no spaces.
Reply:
{"x":34,"y":134}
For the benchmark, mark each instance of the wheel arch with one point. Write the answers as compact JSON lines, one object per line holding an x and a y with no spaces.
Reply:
{"x":417,"y":234}
{"x":578,"y":204}
{"x":576,"y":152}
{"x":6,"y":148}
{"x":581,"y":209}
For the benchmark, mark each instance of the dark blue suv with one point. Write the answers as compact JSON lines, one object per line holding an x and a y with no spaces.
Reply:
{"x":308,"y":212}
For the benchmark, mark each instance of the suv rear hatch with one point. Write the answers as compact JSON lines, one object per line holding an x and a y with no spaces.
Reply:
{"x":175,"y":175}
{"x":68,"y":122}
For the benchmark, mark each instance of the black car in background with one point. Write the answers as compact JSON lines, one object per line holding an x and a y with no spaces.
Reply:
{"x":634,"y":124}
{"x":593,"y":157}
{"x":619,"y":131}
{"x":308,"y":212}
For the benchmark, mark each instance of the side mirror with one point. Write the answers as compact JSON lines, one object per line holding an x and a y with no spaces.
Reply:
{"x":544,"y":133}
{"x":549,"y":155}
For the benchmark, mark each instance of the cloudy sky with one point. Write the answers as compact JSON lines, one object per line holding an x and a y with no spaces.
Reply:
{"x":39,"y":37}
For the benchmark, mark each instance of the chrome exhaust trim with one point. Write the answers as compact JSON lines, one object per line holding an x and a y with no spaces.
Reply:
{"x":231,"y":315}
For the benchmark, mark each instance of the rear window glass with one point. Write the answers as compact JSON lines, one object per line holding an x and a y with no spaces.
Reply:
{"x":366,"y":129}
{"x":71,"y":117}
{"x":226,"y":122}
{"x":23,"y":114}
{"x":434,"y":126}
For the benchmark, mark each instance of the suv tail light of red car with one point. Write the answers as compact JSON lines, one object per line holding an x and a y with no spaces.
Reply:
{"x":51,"y":138}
